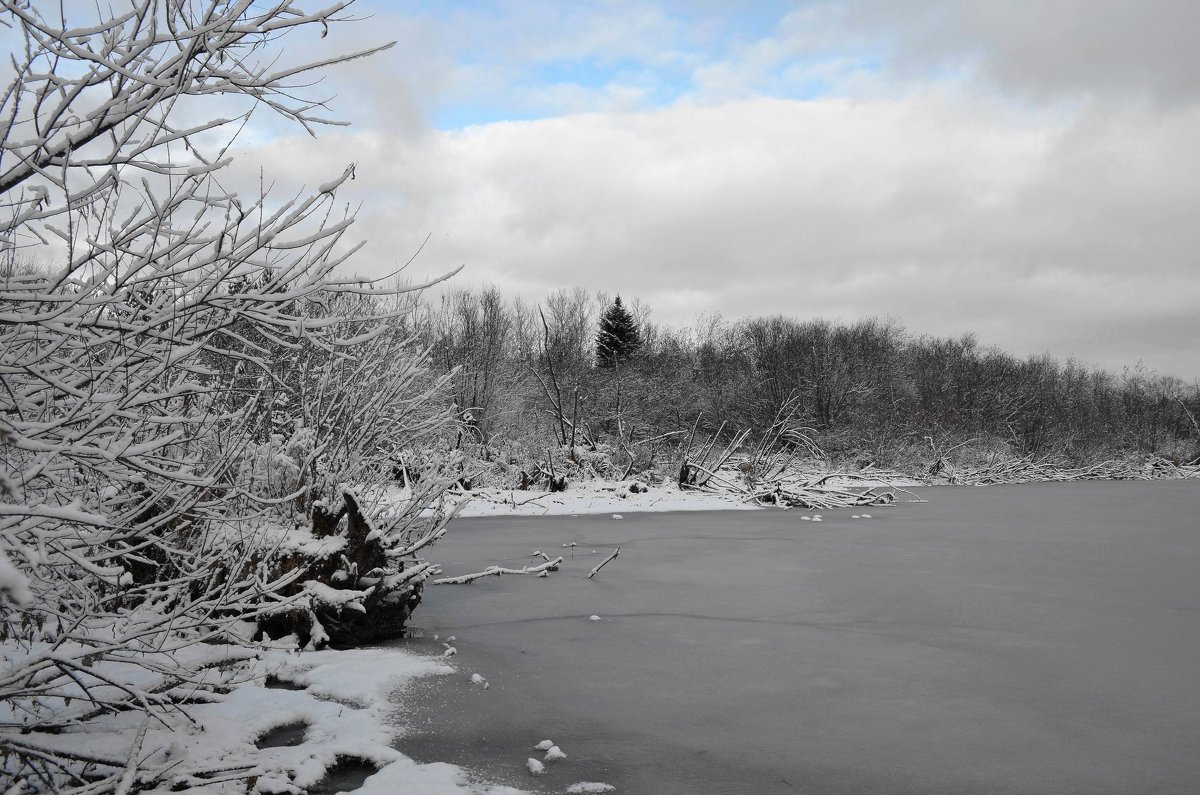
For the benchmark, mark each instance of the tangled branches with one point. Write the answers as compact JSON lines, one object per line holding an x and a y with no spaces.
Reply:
{"x":184,"y":374}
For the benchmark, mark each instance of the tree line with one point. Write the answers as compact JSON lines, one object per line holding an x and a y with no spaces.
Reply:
{"x":867,"y":392}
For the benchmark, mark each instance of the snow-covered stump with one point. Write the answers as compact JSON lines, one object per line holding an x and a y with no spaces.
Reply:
{"x":355,"y":588}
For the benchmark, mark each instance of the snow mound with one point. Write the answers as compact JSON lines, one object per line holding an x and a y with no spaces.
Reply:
{"x":554,"y":754}
{"x":586,"y":787}
{"x":347,"y":706}
{"x":535,"y":767}
{"x":544,"y":745}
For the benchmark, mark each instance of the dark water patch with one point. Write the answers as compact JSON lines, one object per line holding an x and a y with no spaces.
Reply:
{"x":347,"y":774}
{"x":275,"y":683}
{"x":284,"y":736}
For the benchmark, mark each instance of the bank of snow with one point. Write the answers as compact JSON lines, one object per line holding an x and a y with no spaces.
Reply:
{"x":597,"y":496}
{"x":601,"y":496}
{"x":339,"y":704}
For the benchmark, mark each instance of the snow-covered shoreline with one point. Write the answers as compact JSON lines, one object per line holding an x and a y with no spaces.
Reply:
{"x":597,"y":497}
{"x":602,"y":496}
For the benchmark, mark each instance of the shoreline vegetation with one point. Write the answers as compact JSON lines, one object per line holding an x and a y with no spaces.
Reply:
{"x":583,"y":388}
{"x":811,"y":487}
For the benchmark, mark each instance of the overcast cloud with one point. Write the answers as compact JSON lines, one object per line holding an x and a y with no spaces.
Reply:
{"x":1026,"y":171}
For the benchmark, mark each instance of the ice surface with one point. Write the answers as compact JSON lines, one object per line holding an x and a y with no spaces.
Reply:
{"x":1032,"y":634}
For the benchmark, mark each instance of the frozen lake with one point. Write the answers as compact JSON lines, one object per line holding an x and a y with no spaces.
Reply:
{"x":1039,"y":638}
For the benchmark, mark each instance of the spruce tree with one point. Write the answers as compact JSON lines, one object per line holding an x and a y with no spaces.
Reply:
{"x":619,"y":336}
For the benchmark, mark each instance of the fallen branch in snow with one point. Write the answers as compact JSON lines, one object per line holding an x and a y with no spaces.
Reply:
{"x":604,"y":563}
{"x":496,"y":571}
{"x":534,"y":500}
{"x":790,"y":495}
{"x":1051,"y":469}
{"x":769,"y":474}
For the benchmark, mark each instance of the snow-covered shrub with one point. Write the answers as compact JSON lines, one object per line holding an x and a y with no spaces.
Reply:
{"x":148,"y":475}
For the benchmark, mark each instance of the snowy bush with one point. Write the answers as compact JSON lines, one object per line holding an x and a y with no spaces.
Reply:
{"x":153,"y":457}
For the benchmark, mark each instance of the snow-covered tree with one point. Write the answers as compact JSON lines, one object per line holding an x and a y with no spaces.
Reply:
{"x":619,"y":336}
{"x":142,"y":509}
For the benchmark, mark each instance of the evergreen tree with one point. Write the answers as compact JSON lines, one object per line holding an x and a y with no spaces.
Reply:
{"x":619,"y":336}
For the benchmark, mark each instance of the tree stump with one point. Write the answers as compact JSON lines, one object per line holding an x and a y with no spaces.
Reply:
{"x":353,"y":592}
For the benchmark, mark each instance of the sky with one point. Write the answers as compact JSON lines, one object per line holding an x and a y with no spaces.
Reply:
{"x":1026,"y":171}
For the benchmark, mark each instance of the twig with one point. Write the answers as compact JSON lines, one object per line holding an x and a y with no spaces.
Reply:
{"x":131,"y":767}
{"x":604,"y":562}
{"x":531,"y":499}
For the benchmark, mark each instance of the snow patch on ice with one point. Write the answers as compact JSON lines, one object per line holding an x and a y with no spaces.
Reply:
{"x":587,"y":787}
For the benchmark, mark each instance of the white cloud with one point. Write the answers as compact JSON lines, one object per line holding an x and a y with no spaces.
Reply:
{"x":1037,"y":231}
{"x":1095,"y":48}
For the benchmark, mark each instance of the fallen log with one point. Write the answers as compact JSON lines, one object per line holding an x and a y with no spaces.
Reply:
{"x":496,"y":571}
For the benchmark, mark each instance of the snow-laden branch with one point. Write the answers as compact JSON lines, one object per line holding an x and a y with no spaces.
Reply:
{"x":496,"y":571}
{"x":184,"y":376}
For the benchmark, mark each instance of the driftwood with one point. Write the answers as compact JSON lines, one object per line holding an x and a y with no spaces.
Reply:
{"x":771,"y":478}
{"x":604,"y":562}
{"x":496,"y":571}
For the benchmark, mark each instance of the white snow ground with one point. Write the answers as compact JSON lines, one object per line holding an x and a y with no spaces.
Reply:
{"x":344,"y":702}
{"x":596,"y":497}
{"x":616,"y":498}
